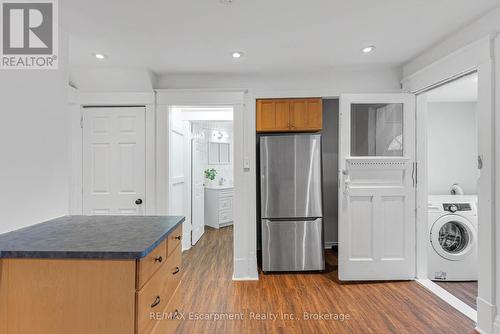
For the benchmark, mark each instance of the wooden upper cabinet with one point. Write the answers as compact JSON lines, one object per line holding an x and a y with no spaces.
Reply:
{"x":315,"y":114}
{"x":289,"y":115}
{"x":273,"y":115}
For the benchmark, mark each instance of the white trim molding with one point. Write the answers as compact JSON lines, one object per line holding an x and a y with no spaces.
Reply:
{"x":449,"y":298}
{"x":75,"y":152}
{"x":478,"y":56}
{"x":77,"y":102}
{"x":117,"y":99}
{"x":453,"y":65}
{"x":73,"y":95}
{"x":245,"y":258}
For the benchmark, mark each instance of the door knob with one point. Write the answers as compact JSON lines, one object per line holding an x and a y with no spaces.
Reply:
{"x":138,"y":201}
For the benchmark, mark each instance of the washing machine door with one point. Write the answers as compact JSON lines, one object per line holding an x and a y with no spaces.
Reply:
{"x":452,"y":237}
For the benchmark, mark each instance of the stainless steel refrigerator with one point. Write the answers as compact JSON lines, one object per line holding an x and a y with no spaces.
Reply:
{"x":291,"y":202}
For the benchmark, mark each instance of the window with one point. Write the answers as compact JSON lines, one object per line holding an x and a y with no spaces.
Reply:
{"x":377,"y":129}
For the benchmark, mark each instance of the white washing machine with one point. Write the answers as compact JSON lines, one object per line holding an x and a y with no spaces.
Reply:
{"x":452,"y":247}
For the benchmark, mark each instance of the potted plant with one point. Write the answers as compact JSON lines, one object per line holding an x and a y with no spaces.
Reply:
{"x":210,"y":175}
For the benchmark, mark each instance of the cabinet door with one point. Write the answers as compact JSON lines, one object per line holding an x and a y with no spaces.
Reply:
{"x":298,"y":115}
{"x":273,"y":115}
{"x":314,"y":114}
{"x":306,"y":114}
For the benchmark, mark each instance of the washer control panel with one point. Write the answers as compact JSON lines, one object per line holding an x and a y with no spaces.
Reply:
{"x":454,"y":207}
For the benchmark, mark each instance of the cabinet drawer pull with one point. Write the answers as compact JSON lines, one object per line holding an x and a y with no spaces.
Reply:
{"x":178,"y":237}
{"x":158,"y":259}
{"x":156,"y":302}
{"x":177,"y":269}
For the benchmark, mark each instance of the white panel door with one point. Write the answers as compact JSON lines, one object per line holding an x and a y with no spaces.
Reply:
{"x":114,"y":161}
{"x":200,"y":161}
{"x":377,"y":187}
{"x":178,"y":174}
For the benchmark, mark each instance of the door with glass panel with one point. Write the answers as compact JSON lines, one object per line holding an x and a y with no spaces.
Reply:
{"x":377,"y":179}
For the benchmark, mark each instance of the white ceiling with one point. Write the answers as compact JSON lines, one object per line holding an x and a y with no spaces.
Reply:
{"x":460,"y":90}
{"x":191,"y":36}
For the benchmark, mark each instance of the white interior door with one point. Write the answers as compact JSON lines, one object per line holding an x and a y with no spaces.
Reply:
{"x":377,"y":187}
{"x":179,"y":157}
{"x":114,"y":161}
{"x":200,"y":158}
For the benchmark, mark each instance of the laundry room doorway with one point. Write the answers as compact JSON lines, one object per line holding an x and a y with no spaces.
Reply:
{"x":447,"y":194}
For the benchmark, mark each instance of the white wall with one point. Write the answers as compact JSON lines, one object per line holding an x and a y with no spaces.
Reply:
{"x":223,"y":170}
{"x":204,"y":130}
{"x":34,"y":169}
{"x":112,"y":79}
{"x":345,"y":80}
{"x":496,"y":200}
{"x":452,"y":147}
{"x":487,"y":24}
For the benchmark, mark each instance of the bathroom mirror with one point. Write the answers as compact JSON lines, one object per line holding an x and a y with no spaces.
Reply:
{"x":219,"y":153}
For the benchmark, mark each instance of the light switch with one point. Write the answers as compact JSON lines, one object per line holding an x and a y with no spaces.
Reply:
{"x":246,"y":163}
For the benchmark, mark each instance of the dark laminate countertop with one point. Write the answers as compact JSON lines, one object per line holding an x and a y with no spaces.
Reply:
{"x":89,"y":237}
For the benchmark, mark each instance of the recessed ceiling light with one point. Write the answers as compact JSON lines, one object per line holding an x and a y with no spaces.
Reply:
{"x":226,"y":2}
{"x":237,"y":54}
{"x":100,"y":56}
{"x":368,"y":49}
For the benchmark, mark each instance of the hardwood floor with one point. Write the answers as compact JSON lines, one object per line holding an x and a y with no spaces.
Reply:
{"x":465,"y":291}
{"x":382,"y":307}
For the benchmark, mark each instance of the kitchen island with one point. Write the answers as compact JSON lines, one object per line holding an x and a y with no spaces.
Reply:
{"x":92,"y":274}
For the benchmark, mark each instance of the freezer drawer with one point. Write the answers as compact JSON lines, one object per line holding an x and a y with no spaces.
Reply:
{"x":292,"y":245}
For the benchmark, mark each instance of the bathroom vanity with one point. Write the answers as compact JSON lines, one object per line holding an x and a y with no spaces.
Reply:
{"x":219,"y":206}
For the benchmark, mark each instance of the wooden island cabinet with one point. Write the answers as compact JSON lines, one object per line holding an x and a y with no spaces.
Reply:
{"x":116,"y":276}
{"x":289,"y":115}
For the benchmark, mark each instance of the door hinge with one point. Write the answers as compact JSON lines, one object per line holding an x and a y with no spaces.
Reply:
{"x":479,"y":162}
{"x":81,"y":121}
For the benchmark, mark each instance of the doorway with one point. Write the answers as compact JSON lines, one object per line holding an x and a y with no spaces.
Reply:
{"x":450,"y":169}
{"x":201,"y":169}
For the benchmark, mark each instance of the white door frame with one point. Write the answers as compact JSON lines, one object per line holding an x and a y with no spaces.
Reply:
{"x":182,"y":179}
{"x":244,"y":260}
{"x":132,"y":99}
{"x":75,"y":152}
{"x":421,"y":213}
{"x":478,"y":57}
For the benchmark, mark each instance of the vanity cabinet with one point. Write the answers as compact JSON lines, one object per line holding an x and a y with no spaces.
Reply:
{"x":219,"y":206}
{"x":289,"y":115}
